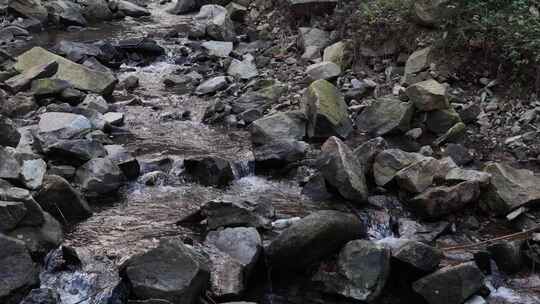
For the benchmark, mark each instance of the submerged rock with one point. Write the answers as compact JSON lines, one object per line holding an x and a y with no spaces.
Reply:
{"x":172,"y":271}
{"x":313,"y":238}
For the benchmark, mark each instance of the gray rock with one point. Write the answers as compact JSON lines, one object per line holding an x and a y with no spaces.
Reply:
{"x":97,"y":10}
{"x":314,"y":39}
{"x":459,"y":154}
{"x":280,"y":152}
{"x":131,"y":9}
{"x":172,"y":271}
{"x":418,"y":62}
{"x":54,"y":126}
{"x":343,"y":171}
{"x":418,"y":176}
{"x":386,"y":116}
{"x":389,"y":162}
{"x":418,"y":255}
{"x":66,"y":13}
{"x":34,"y":214}
{"x":9,"y":135}
{"x":49,"y":87}
{"x":10,"y":168}
{"x":462,"y":175}
{"x":185,"y":6}
{"x":218,"y":48}
{"x":99,"y":176}
{"x":76,"y":152}
{"x":450,"y":285}
{"x":216,"y":22}
{"x":95,"y":102}
{"x":42,"y":296}
{"x":212,"y":85}
{"x":510,"y":188}
{"x":18,"y":106}
{"x":29,"y":9}
{"x":236,"y":11}
{"x":313,"y":238}
{"x":440,"y":201}
{"x":226,"y":273}
{"x":362,"y":271}
{"x":119,"y":155}
{"x":41,"y":239}
{"x":326,"y":70}
{"x":17,"y":270}
{"x":23,"y":80}
{"x":440,"y":121}
{"x":326,"y":111}
{"x":11,"y":213}
{"x":114,"y":118}
{"x":366,"y":153}
{"x":245,"y":69}
{"x":428,"y":95}
{"x":508,"y":255}
{"x":210,"y":171}
{"x":32,"y":173}
{"x":79,"y":76}
{"x":279,"y":126}
{"x":57,"y":197}
{"x":337,"y":54}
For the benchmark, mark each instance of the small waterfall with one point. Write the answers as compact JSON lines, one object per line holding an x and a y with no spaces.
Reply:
{"x":244,"y":167}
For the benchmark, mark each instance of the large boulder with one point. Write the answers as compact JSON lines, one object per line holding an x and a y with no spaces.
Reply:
{"x":76,"y":152}
{"x":131,"y":9}
{"x":312,"y":41}
{"x":326,"y":111}
{"x":450,"y":285}
{"x":99,"y":176}
{"x":78,"y":75}
{"x":419,"y":256}
{"x":389,"y":162}
{"x":440,"y":121}
{"x":11,"y":213}
{"x":428,"y":95}
{"x":279,"y":126}
{"x":119,"y":155}
{"x":367,"y":151}
{"x":279,"y":153}
{"x":440,"y":201}
{"x":172,"y":271}
{"x":510,"y":188}
{"x":34,"y":213}
{"x":418,"y":176}
{"x":9,"y":134}
{"x":363,"y":268}
{"x":210,"y":171}
{"x":29,"y":9}
{"x":313,"y":238}
{"x":18,"y":274}
{"x":39,"y":240}
{"x":61,"y":200}
{"x":386,"y":116}
{"x":343,"y":171}
{"x":216,"y":22}
{"x":54,"y":126}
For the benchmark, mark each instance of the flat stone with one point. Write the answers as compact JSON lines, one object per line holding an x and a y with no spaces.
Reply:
{"x":326,"y":70}
{"x":428,"y":95}
{"x":386,"y":116}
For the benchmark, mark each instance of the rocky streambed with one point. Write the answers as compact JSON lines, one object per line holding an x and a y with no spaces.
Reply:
{"x":153,"y":157}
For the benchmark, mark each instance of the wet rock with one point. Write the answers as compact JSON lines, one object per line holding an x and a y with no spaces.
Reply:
{"x":343,"y":171}
{"x":210,"y":171}
{"x":418,"y":62}
{"x":97,"y":10}
{"x":216,"y":22}
{"x":114,"y":118}
{"x":336,"y":53}
{"x":119,"y":155}
{"x":144,"y":46}
{"x":232,"y":214}
{"x":440,"y":121}
{"x":66,"y":13}
{"x":212,"y":85}
{"x":386,"y":116}
{"x":32,"y":173}
{"x":236,"y":11}
{"x":131,"y":9}
{"x":17,"y":270}
{"x":418,"y":176}
{"x":245,"y":69}
{"x":326,"y":70}
{"x":279,"y":153}
{"x":9,"y":134}
{"x":99,"y":176}
{"x":11,"y":213}
{"x":363,"y":268}
{"x":61,"y":200}
{"x":326,"y":111}
{"x":95,"y":102}
{"x":153,"y":178}
{"x":313,"y":238}
{"x":34,"y":214}
{"x":54,"y":126}
{"x":29,"y":9}
{"x":366,"y":153}
{"x":23,"y":81}
{"x":42,"y":296}
{"x":79,"y":76}
{"x":510,"y":188}
{"x":130,"y":83}
{"x":508,"y":255}
{"x":389,"y":162}
{"x":450,"y":285}
{"x":428,"y":95}
{"x":313,"y":40}
{"x":172,"y":271}
{"x":242,"y":246}
{"x":76,"y":152}
{"x":440,"y":201}
{"x":10,"y":168}
{"x":78,"y":51}
{"x":279,"y":126}
{"x":218,"y":48}
{"x":40,"y":240}
{"x":462,"y":175}
{"x":185,"y":6}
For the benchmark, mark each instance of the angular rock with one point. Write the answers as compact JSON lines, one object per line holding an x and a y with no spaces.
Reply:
{"x":18,"y":106}
{"x":185,"y":6}
{"x":326,"y":70}
{"x":419,"y":61}
{"x":236,"y":11}
{"x":17,"y":270}
{"x":450,"y":285}
{"x":99,"y":176}
{"x":11,"y":213}
{"x":428,"y":95}
{"x":10,"y":168}
{"x":212,"y":85}
{"x":313,"y":38}
{"x":41,"y":239}
{"x":386,"y":116}
{"x":32,"y":173}
{"x":418,"y":176}
{"x":363,"y":268}
{"x":510,"y":188}
{"x":210,"y":171}
{"x":279,"y":126}
{"x":389,"y":162}
{"x":440,"y":121}
{"x":217,"y":22}
{"x":508,"y":255}
{"x":76,"y":152}
{"x":336,"y":53}
{"x":114,"y":118}
{"x":23,"y":81}
{"x":95,"y":102}
{"x":78,"y":75}
{"x":29,"y":9}
{"x":57,"y":197}
{"x":245,"y":69}
{"x":131,"y":9}
{"x":313,"y":238}
{"x":226,"y":274}
{"x":326,"y":111}
{"x":66,"y":13}
{"x":279,"y":153}
{"x":172,"y":271}
{"x":343,"y":171}
{"x":440,"y":201}
{"x":418,"y":255}
{"x":124,"y":160}
{"x":218,"y":48}
{"x":9,"y":134}
{"x":49,"y":87}
{"x":42,"y":296}
{"x":457,"y":175}
{"x":54,"y":126}
{"x":97,"y":10}
{"x":366,"y":153}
